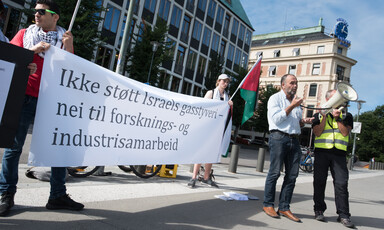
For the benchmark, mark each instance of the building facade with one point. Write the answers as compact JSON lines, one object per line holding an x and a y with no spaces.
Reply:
{"x":318,"y":60}
{"x":197,"y":28}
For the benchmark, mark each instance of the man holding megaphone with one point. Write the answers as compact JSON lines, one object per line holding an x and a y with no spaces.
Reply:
{"x":332,"y":129}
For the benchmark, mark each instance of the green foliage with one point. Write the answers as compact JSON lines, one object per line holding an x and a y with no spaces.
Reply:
{"x":369,"y":143}
{"x":215,"y":68}
{"x":85,"y":28}
{"x":141,"y":55}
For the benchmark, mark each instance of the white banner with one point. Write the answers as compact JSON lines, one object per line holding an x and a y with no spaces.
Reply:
{"x":87,"y":116}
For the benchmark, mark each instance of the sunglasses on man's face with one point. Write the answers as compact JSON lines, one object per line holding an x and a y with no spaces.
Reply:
{"x":42,"y":11}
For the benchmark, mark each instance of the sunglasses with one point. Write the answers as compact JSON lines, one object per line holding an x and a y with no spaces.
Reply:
{"x":42,"y":11}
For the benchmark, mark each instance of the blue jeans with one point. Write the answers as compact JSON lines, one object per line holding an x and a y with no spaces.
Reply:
{"x":282,"y":149}
{"x":10,"y":164}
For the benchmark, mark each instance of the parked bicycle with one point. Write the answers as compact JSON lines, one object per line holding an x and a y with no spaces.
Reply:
{"x":142,"y":171}
{"x":307,"y":159}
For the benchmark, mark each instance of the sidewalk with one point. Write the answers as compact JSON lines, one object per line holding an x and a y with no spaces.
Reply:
{"x":124,"y":201}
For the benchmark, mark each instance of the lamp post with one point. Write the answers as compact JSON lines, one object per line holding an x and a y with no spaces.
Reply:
{"x":359,"y":102}
{"x":155,"y":45}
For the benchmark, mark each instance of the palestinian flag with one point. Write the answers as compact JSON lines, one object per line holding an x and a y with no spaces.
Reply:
{"x":249,"y":89}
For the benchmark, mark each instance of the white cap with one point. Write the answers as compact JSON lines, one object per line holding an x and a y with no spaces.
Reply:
{"x":223,"y":76}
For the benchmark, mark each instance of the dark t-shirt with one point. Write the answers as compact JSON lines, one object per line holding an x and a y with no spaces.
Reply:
{"x":347,"y":121}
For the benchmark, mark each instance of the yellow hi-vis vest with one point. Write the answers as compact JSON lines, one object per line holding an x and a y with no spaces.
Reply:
{"x":331,"y":136}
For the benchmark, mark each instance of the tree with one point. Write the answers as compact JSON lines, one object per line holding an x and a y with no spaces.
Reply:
{"x":139,"y":58}
{"x":215,"y":68}
{"x":370,"y":141}
{"x":260,"y":120}
{"x":85,"y":29}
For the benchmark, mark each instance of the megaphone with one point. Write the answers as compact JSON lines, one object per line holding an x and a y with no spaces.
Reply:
{"x":344,"y":93}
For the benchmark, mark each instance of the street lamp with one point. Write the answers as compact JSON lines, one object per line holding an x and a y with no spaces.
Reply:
{"x":155,"y":45}
{"x":359,"y":102}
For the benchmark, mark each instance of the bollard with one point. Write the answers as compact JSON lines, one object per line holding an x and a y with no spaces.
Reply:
{"x":260,"y":160}
{"x":234,"y":158}
{"x":350,"y":164}
{"x":370,"y":165}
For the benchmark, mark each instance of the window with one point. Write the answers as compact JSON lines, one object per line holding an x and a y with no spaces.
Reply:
{"x":171,"y":46}
{"x":196,"y":91}
{"x":202,"y":4}
{"x":241,"y":32}
{"x":176,"y":16}
{"x":231,"y":50}
{"x":272,"y":70}
{"x":320,"y":49}
{"x":222,"y":48}
{"x":211,"y":8}
{"x":215,"y":42}
{"x":340,"y":72}
{"x":175,"y":84}
{"x":339,"y":50}
{"x":190,"y":5}
{"x":207,"y":36}
{"x":316,"y":69}
{"x":150,"y":5}
{"x":112,"y":17}
{"x":237,"y":57}
{"x":292,"y":69}
{"x":136,"y":8}
{"x":185,"y":30}
{"x":179,"y":59}
{"x":248,"y":37}
{"x":131,"y":28}
{"x":310,"y":111}
{"x":220,"y":15}
{"x":259,"y":54}
{"x":296,"y":51}
{"x":186,"y":88}
{"x":196,"y":34}
{"x":226,"y":25}
{"x":201,"y":65}
{"x":276,"y":53}
{"x":282,"y":41}
{"x":191,"y":61}
{"x":301,"y":38}
{"x":164,"y":9}
{"x":265,"y":42}
{"x":103,"y":57}
{"x":235,"y":27}
{"x":312,"y":90}
{"x":244,"y":61}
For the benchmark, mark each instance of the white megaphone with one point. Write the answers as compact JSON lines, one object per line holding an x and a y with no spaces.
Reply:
{"x":344,"y":92}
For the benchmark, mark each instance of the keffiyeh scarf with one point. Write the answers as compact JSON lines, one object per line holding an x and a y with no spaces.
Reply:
{"x":216,"y":94}
{"x":34,"y":34}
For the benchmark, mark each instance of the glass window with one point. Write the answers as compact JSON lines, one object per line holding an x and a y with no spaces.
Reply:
{"x":136,"y":8}
{"x":339,"y":50}
{"x":150,"y":5}
{"x":237,"y":56}
{"x":185,"y":29}
{"x":164,"y":9}
{"x":191,"y":61}
{"x":180,"y":58}
{"x":220,"y":15}
{"x":112,"y":18}
{"x":103,"y":57}
{"x":241,"y":32}
{"x":201,"y":65}
{"x":171,"y":45}
{"x":235,"y":27}
{"x":320,"y":49}
{"x":202,"y":4}
{"x":316,"y":69}
{"x":187,"y":86}
{"x":312,"y":90}
{"x":231,"y":50}
{"x":222,"y":48}
{"x":340,"y":72}
{"x":215,"y":42}
{"x":310,"y":111}
{"x":248,"y":37}
{"x":296,"y":51}
{"x":272,"y":70}
{"x":207,"y":36}
{"x":292,"y":69}
{"x":131,"y":28}
{"x":226,"y":25}
{"x":176,"y":16}
{"x":175,"y":84}
{"x":276,"y":53}
{"x":244,"y":61}
{"x":196,"y":34}
{"x":212,"y":8}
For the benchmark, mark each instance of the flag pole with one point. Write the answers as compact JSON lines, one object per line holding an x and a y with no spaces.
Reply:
{"x":74,"y":15}
{"x":241,"y":83}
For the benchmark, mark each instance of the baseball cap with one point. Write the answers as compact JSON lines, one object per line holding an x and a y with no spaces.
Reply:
{"x":223,"y":77}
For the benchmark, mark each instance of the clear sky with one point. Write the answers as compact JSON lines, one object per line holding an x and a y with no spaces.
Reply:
{"x":365,"y":31}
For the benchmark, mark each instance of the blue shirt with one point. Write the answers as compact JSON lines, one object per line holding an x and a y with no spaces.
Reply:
{"x":277,"y":117}
{"x":3,"y":38}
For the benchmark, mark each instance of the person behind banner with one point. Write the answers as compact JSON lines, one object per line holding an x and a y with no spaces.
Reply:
{"x":218,"y":93}
{"x":285,"y":122}
{"x":332,"y":135}
{"x":38,"y":38}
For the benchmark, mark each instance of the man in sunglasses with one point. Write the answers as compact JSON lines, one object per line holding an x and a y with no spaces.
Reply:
{"x":38,"y":38}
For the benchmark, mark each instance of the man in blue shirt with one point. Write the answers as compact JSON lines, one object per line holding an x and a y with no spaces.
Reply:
{"x":285,"y":121}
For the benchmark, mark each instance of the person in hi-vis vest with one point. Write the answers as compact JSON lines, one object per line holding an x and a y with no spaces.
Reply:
{"x":332,"y":136}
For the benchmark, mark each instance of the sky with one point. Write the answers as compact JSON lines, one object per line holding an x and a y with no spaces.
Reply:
{"x":365,"y":31}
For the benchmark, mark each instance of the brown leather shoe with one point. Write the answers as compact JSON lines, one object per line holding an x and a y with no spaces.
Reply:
{"x":289,"y":215}
{"x":270,"y":211}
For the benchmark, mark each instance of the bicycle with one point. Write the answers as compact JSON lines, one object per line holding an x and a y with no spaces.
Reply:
{"x":142,"y":171}
{"x":306,"y":160}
